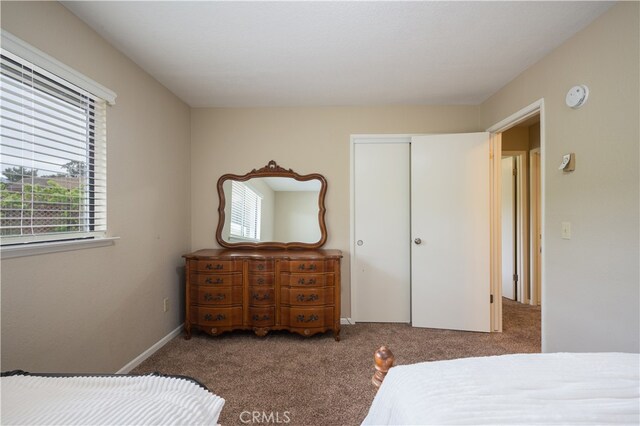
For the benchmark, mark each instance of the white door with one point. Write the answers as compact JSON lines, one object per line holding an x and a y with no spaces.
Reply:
{"x":381,"y":266}
{"x":450,"y":283}
{"x":508,"y":228}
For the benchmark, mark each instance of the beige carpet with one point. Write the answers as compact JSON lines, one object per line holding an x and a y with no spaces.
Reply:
{"x":316,"y":380}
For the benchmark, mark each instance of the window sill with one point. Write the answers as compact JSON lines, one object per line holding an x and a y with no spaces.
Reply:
{"x":54,"y":247}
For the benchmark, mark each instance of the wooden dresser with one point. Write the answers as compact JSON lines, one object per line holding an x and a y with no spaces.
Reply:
{"x":263,"y":290}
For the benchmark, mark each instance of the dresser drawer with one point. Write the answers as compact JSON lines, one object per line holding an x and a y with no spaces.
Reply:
{"x":309,"y":265}
{"x":311,"y":317}
{"x":261,"y":279}
{"x":215,"y":266}
{"x":219,"y":317}
{"x":216,"y":279}
{"x":261,"y":296}
{"x":208,"y":295}
{"x":307,"y":296}
{"x":262,"y":317}
{"x":306,"y":266}
{"x":306,"y":280}
{"x":261,"y":265}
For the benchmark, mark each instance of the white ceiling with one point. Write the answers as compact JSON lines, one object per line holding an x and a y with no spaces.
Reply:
{"x":236,"y":54}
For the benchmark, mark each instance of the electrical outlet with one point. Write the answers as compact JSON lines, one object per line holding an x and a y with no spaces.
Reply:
{"x":166,"y":304}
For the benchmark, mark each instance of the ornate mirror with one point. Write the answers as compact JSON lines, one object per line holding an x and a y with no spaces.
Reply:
{"x":271,"y":207}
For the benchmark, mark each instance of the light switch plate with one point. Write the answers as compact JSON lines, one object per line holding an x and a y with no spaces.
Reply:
{"x":566,"y":230}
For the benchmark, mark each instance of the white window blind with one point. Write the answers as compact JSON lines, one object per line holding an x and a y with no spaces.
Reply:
{"x":246,"y":207}
{"x":52,"y":156}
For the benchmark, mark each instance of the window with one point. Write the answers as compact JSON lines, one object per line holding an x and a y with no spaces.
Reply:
{"x":246,"y":207}
{"x":53,"y":156}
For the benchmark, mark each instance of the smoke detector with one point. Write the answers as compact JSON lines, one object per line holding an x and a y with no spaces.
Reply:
{"x":577,"y":96}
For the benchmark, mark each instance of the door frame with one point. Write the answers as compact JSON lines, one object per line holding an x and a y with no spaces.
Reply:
{"x":535,"y":176}
{"x":522,"y":225}
{"x":355,"y":139}
{"x":535,"y":108}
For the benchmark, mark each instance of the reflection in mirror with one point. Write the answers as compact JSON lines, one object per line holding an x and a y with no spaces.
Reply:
{"x":267,"y":209}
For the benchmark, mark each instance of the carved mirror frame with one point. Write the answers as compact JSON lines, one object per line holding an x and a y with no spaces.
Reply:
{"x":272,"y":169}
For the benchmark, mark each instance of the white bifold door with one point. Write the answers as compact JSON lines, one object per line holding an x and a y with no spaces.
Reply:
{"x":382,"y":264}
{"x":450,"y":227}
{"x":421,"y":231}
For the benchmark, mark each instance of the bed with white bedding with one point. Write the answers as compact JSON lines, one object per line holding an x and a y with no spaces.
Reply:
{"x":522,"y":389}
{"x":37,"y":399}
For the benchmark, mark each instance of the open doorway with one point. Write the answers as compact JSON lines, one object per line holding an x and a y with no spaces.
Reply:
{"x":530,"y":120}
{"x":521,"y":225}
{"x":521,"y":211}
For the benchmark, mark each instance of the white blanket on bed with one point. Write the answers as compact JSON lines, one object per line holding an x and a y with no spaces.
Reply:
{"x":126,"y":400}
{"x":532,"y":389}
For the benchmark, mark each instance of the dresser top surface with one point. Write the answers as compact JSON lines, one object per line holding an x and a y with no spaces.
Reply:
{"x":265,"y":254}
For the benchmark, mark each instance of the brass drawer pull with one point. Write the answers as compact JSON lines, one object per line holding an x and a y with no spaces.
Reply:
{"x":260,"y":281}
{"x":217,"y":267}
{"x":311,"y":281}
{"x":256,"y":296}
{"x":301,"y":318}
{"x":302,"y":267}
{"x":209,"y":280}
{"x":311,"y":298}
{"x":210,"y":317}
{"x":261,"y":267}
{"x":209,"y":297}
{"x":265,"y":317}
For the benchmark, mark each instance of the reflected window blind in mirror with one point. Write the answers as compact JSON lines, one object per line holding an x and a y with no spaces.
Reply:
{"x":245,"y":212}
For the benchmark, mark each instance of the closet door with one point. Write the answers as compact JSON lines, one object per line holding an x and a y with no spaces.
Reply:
{"x":381,"y":263}
{"x":450,"y":219}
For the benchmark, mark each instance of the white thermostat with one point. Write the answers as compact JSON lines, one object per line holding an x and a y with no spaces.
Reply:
{"x":577,"y":96}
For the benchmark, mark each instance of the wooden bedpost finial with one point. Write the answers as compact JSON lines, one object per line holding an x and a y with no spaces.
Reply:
{"x":383,"y":359}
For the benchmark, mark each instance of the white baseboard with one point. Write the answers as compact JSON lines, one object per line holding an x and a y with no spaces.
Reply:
{"x":146,"y":354}
{"x":347,"y":321}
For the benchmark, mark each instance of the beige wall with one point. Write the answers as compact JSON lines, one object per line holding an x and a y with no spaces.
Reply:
{"x":307,"y":140}
{"x":97,"y":309}
{"x":590,"y":295}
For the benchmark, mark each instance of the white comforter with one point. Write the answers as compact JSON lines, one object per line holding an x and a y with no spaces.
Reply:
{"x":532,"y":389}
{"x":126,"y":400}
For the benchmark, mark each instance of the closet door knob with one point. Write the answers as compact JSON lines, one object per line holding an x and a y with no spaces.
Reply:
{"x":359,"y":242}
{"x":417,"y":241}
